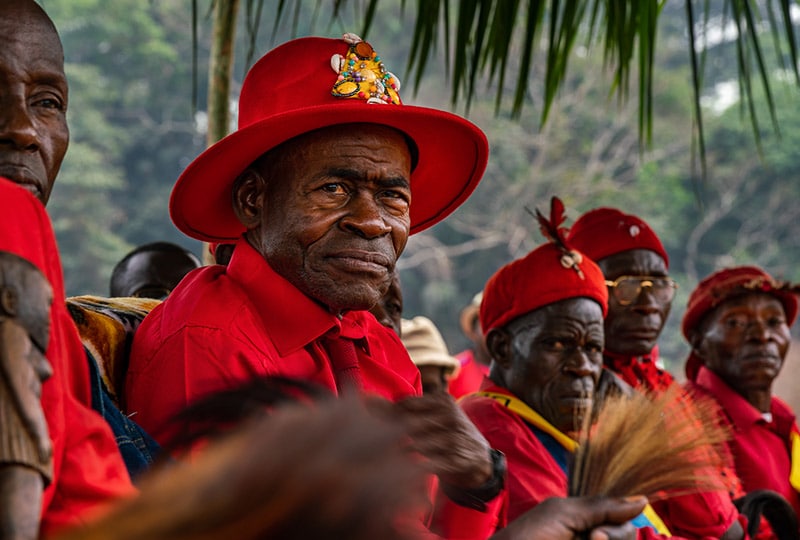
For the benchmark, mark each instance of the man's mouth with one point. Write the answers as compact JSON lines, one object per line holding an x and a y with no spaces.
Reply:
{"x":21,"y":175}
{"x":363,"y":261}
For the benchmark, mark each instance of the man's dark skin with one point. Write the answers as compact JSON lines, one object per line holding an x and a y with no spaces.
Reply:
{"x":33,"y":98}
{"x":152,"y":272}
{"x":551,"y":359}
{"x":389,"y":310}
{"x":633,"y":329}
{"x":744,"y":341}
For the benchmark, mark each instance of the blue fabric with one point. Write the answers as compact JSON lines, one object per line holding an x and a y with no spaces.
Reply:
{"x":561,"y":455}
{"x":138,"y":449}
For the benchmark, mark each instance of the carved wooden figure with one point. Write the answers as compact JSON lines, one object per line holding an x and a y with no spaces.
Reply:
{"x":25,"y":447}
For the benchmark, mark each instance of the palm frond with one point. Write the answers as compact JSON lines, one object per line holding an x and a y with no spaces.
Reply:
{"x":487,"y":33}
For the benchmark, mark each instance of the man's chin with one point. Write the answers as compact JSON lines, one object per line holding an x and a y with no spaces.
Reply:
{"x":350,"y":300}
{"x":632,"y":346}
{"x":30,"y":188}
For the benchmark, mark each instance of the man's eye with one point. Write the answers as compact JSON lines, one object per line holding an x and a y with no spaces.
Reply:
{"x":776,"y":321}
{"x":555,"y":344}
{"x":593,"y":348}
{"x":49,"y":103}
{"x":735,"y":323}
{"x":333,"y":187}
{"x":393,"y":194}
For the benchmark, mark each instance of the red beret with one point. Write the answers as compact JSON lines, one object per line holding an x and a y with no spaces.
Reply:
{"x":725,"y":284}
{"x":542,"y":277}
{"x":603,"y":232}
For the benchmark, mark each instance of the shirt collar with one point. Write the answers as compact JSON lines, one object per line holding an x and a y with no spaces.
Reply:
{"x":738,"y":409}
{"x":290,"y":318}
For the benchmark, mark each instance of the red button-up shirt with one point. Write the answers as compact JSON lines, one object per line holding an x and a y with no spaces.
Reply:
{"x":225,"y":325}
{"x":88,"y":470}
{"x":761,"y":450}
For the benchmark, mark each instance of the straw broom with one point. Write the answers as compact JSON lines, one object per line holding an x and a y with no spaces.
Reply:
{"x":658,"y":446}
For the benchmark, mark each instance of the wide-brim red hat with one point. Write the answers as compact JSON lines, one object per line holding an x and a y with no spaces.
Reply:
{"x":729,"y":283}
{"x":288,"y":93}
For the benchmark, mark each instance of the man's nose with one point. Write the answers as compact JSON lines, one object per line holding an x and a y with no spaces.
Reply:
{"x":17,"y":128}
{"x":579,"y":363}
{"x":645,"y":302}
{"x":758,"y":330}
{"x":364,"y":217}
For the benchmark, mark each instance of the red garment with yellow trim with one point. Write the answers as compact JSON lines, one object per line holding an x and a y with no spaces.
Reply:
{"x":533,"y":474}
{"x":88,"y":470}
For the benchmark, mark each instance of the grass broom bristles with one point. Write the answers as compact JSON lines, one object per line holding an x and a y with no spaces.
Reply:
{"x":655,"y":446}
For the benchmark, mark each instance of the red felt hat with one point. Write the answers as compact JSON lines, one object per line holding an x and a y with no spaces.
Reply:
{"x":603,"y":232}
{"x":548,"y":274}
{"x":305,"y":85}
{"x":725,"y":284}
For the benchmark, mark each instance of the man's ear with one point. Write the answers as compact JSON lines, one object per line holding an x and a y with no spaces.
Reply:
{"x":696,"y":341}
{"x":9,"y":302}
{"x":498,"y":342}
{"x":249,"y":194}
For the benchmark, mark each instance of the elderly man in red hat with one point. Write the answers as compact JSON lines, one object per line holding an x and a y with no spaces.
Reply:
{"x":319,"y":188}
{"x":737,"y":323}
{"x":542,"y":316}
{"x":635,"y":265}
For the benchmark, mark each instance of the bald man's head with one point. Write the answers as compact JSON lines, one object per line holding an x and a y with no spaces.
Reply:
{"x":33,"y":89}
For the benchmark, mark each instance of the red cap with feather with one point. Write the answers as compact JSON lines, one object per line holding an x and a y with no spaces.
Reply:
{"x":548,"y":274}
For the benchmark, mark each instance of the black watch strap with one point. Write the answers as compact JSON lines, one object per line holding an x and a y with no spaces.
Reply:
{"x":477,"y":498}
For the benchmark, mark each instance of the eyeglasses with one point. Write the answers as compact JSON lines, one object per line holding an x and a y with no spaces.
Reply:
{"x":626,"y":289}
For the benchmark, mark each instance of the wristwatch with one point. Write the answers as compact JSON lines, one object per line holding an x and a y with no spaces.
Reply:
{"x":476,"y":498}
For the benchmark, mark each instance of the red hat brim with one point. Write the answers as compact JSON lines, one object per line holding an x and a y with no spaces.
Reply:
{"x":453,"y":154}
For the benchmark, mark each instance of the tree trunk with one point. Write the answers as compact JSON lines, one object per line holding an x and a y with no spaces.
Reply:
{"x":219,"y":78}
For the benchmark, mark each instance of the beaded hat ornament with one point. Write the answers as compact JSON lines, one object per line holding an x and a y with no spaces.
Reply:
{"x":362,"y":74}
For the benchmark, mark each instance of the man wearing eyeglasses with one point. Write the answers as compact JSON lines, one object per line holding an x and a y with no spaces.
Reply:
{"x":640,"y":292}
{"x":635,"y":265}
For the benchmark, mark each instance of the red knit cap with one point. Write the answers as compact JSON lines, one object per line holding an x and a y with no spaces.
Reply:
{"x":725,"y":284}
{"x":548,"y":274}
{"x":603,"y":232}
